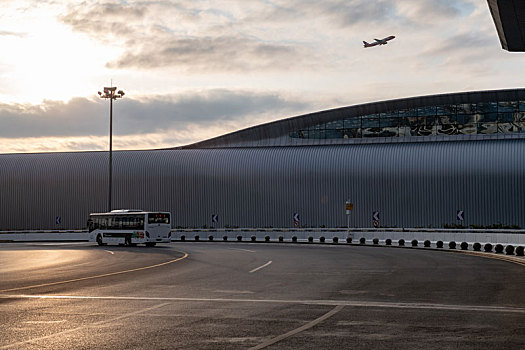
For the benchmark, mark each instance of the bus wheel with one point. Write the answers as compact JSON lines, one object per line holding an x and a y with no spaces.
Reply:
{"x":99,"y":240}
{"x":150,"y":244}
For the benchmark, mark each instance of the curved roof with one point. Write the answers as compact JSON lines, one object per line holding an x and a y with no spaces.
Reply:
{"x":277,"y":133}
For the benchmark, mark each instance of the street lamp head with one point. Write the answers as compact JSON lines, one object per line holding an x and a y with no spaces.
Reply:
{"x":100,"y":93}
{"x":109,"y":90}
{"x":121,"y":93}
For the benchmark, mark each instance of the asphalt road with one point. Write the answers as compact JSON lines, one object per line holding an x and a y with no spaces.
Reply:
{"x":240,"y":296}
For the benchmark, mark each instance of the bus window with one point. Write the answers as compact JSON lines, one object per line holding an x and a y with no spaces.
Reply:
{"x":158,"y":218}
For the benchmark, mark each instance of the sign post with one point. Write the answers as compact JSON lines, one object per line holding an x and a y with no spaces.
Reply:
{"x":348,"y":207}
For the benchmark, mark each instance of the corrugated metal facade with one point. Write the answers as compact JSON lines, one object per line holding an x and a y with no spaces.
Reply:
{"x":409,"y":184}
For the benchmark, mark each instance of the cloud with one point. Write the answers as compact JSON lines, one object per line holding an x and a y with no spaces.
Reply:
{"x":193,"y":116}
{"x":183,"y":36}
{"x":337,"y":13}
{"x":16,"y":34}
{"x":207,"y":54}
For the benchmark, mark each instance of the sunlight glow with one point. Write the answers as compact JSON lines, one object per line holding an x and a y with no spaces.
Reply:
{"x":48,"y":61}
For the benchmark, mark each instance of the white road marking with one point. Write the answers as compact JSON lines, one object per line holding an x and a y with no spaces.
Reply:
{"x":244,"y":250}
{"x":300,"y":329}
{"x":350,"y":303}
{"x":110,"y":252}
{"x":234,"y":291}
{"x":92,"y":325}
{"x":261,"y":267}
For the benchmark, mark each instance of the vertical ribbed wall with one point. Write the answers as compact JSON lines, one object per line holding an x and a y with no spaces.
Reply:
{"x":411,"y":184}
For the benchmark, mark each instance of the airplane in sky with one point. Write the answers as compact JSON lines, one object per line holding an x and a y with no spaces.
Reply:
{"x":378,"y":41}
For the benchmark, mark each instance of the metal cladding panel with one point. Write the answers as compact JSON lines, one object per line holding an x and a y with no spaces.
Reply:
{"x":509,"y":18}
{"x":409,"y":184}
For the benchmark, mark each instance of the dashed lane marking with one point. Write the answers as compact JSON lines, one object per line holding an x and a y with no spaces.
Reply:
{"x":244,"y":250}
{"x":261,"y":267}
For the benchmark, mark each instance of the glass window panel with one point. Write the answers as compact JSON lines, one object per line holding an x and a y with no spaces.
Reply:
{"x":392,"y":114}
{"x":336,"y":124}
{"x":466,"y":118}
{"x":318,"y":134}
{"x":507,"y":106}
{"x":520,"y":126}
{"x":404,"y":131}
{"x":425,"y":121}
{"x":487,"y":128}
{"x":426,"y":111}
{"x":370,"y":121}
{"x":334,"y":133}
{"x":487,"y":107}
{"x":488,"y":117}
{"x":408,"y":112}
{"x":505,"y":128}
{"x":466,"y":108}
{"x":446,"y":129}
{"x":467,"y":129}
{"x":446,"y":110}
{"x":352,"y":123}
{"x":422,"y":130}
{"x":446,"y":119}
{"x":506,"y":117}
{"x":390,"y":132}
{"x":371,"y":132}
{"x":390,"y":121}
{"x":353,"y":133}
{"x":519,"y":117}
{"x":522,"y":106}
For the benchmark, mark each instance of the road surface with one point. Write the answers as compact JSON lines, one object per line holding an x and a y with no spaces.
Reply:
{"x":215,"y":295}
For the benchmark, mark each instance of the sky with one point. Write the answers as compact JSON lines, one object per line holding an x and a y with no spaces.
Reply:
{"x":196,"y":69}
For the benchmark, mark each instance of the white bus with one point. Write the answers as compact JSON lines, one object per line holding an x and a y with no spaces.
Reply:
{"x":130,"y":227}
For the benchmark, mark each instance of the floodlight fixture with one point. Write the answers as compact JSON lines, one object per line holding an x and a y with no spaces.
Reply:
{"x":109,"y":93}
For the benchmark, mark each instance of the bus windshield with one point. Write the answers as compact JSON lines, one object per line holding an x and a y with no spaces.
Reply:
{"x":158,"y":218}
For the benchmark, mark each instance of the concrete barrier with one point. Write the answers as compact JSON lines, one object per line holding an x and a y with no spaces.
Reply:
{"x":505,"y":237}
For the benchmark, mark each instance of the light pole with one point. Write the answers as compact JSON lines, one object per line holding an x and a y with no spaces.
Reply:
{"x":112,"y":94}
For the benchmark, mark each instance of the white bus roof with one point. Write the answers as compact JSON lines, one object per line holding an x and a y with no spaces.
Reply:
{"x":129,"y":211}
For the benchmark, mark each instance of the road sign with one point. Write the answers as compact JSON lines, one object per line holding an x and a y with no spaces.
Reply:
{"x":460,"y":215}
{"x":349,"y":206}
{"x":296,"y":220}
{"x":214,"y":218}
{"x":375,"y":215}
{"x":58,"y":220}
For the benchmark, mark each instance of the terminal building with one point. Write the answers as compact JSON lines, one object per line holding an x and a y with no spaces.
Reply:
{"x":430,"y":161}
